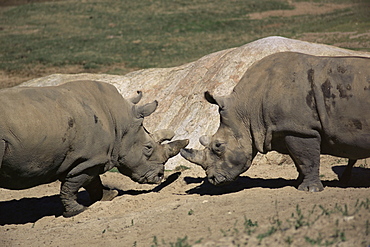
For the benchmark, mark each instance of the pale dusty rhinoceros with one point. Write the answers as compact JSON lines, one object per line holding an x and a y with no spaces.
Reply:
{"x":73,"y":133}
{"x":295,"y":104}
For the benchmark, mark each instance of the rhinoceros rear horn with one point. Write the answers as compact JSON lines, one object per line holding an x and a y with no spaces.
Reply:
{"x":205,"y":140}
{"x":134,"y":100}
{"x":162,"y":135}
{"x":145,"y":110}
{"x":173,"y":148}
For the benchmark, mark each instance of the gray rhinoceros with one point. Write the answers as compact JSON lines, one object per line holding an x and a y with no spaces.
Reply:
{"x":295,"y":104}
{"x":73,"y":133}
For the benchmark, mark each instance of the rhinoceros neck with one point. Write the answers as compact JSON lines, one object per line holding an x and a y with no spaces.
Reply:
{"x":122,"y":120}
{"x":246,"y":118}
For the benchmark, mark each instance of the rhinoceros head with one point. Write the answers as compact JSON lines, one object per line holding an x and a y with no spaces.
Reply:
{"x":227,"y":153}
{"x":143,"y":155}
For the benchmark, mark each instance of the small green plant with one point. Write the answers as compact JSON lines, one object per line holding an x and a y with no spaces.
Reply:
{"x":289,"y":240}
{"x":269,"y":232}
{"x":249,"y":226}
{"x":191,"y":212}
{"x":181,"y":168}
{"x":181,"y":242}
{"x":299,"y":219}
{"x":155,"y":242}
{"x":114,"y":169}
{"x":343,"y":210}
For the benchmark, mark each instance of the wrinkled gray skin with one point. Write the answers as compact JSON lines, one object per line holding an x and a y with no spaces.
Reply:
{"x":295,"y":104}
{"x":73,"y":133}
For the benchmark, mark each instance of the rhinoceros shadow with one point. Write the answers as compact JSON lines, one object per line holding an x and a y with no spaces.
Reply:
{"x":360,"y":179}
{"x":241,"y":183}
{"x":30,"y":210}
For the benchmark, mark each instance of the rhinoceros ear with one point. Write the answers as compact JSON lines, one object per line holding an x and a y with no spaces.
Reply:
{"x":214,"y":100}
{"x":145,"y":110}
{"x":162,"y":135}
{"x":134,"y":100}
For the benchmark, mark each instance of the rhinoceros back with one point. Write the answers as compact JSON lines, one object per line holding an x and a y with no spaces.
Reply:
{"x":44,"y":127}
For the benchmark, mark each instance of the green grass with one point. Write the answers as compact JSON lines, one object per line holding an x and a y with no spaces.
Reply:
{"x":143,"y":34}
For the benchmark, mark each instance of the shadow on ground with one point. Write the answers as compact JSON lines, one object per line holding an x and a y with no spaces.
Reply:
{"x":30,"y":210}
{"x":360,"y":179}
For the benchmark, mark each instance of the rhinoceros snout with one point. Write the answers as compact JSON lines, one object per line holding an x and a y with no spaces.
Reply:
{"x":154,"y":178}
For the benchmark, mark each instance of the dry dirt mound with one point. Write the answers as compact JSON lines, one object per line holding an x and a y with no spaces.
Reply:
{"x":262,"y":206}
{"x":180,"y":90}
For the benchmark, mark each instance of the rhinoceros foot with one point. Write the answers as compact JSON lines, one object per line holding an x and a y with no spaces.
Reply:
{"x":311,"y":186}
{"x":75,"y":211}
{"x":109,"y":195}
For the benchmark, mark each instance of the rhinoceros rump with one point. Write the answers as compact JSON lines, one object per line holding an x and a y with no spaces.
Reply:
{"x":295,"y":104}
{"x":73,"y":133}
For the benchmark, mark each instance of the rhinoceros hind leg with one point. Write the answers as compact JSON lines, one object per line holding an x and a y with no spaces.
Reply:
{"x":305,"y":152}
{"x":108,"y":194}
{"x":346,"y":175}
{"x":98,"y":192}
{"x":2,"y":150}
{"x":95,"y":189}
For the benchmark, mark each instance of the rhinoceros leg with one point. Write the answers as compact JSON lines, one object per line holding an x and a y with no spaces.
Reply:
{"x":98,"y":192}
{"x":2,"y":151}
{"x":68,"y":195}
{"x":346,"y":175}
{"x":305,"y":153}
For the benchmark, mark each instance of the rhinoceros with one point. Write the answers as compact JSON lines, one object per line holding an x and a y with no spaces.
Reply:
{"x":295,"y":104}
{"x":73,"y":133}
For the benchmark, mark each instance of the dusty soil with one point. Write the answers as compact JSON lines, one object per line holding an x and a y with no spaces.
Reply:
{"x":187,"y":205}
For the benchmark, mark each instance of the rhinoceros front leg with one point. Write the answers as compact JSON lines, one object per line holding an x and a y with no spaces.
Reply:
{"x":305,"y":153}
{"x":68,"y":194}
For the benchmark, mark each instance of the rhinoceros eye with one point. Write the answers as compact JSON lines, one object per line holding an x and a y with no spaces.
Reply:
{"x":148,"y":149}
{"x":218,"y":147}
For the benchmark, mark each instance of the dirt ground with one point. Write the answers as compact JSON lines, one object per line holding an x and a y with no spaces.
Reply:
{"x":188,"y":206}
{"x":261,"y":207}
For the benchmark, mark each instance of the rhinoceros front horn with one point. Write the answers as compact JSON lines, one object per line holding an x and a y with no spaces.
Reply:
{"x":174,"y":147}
{"x":194,"y":156}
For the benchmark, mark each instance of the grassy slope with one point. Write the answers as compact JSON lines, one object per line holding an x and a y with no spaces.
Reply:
{"x":148,"y":33}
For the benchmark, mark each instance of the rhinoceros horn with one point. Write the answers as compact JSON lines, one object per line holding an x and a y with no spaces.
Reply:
{"x":162,"y":135}
{"x":134,"y":100}
{"x":194,"y":156}
{"x":205,"y":140}
{"x":174,"y":147}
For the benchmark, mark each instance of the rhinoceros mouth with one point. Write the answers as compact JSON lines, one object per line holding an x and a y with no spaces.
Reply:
{"x":151,"y":177}
{"x":220,"y":179}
